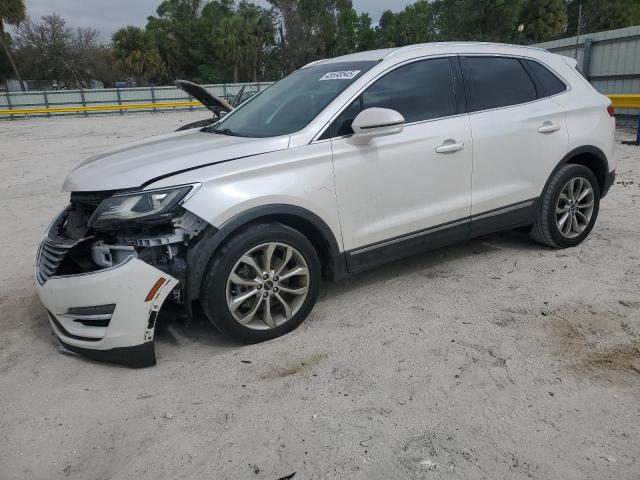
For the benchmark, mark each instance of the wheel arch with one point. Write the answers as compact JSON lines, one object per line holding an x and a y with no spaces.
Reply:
{"x":591,"y":157}
{"x":304,"y":221}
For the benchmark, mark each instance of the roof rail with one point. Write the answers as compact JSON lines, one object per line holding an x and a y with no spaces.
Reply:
{"x":436,"y":44}
{"x":313,"y":63}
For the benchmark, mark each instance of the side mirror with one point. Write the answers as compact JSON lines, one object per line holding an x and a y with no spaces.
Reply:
{"x":375,"y":122}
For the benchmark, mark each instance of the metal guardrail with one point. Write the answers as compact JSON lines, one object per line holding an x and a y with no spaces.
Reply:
{"x":111,"y":100}
{"x":101,"y":108}
{"x":628,"y":101}
{"x":625,"y":101}
{"x":619,"y":101}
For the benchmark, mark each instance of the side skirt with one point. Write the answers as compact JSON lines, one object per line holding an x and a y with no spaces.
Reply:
{"x":511,"y":216}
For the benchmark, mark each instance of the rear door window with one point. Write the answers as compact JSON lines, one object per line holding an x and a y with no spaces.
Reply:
{"x":493,"y":82}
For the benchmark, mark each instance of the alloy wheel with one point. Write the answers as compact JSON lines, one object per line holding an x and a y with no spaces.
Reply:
{"x":574,"y":207}
{"x":267,"y":286}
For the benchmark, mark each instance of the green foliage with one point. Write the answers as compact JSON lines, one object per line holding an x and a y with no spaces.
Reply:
{"x":213,"y":41}
{"x":134,"y":52}
{"x":12,"y":11}
{"x":542,"y":20}
{"x":479,"y":20}
{"x":6,"y":71}
{"x":417,"y":23}
{"x":598,"y":15}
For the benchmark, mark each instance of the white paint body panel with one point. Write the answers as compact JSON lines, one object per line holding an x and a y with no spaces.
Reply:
{"x":403,"y":185}
{"x":135,"y":164}
{"x":511,"y":160}
{"x":300,"y":176}
{"x":126,"y":285}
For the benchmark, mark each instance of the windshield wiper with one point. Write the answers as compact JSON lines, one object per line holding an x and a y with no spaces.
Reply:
{"x":223,"y":131}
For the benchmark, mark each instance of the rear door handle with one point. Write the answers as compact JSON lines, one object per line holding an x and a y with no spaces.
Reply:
{"x":447,"y":147}
{"x":548,"y":127}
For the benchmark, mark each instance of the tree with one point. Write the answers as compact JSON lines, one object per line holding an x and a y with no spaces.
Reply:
{"x":12,"y":12}
{"x":600,"y":15}
{"x":50,"y":50}
{"x":479,"y":20}
{"x":386,"y":30}
{"x":258,"y":34}
{"x":311,"y":29}
{"x":415,"y":24}
{"x":231,"y":42}
{"x":184,"y":32}
{"x":542,"y":20}
{"x":365,"y":34}
{"x":134,"y":53}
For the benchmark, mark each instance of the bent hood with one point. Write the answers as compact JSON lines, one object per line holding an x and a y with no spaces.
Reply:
{"x":139,"y":163}
{"x":204,"y":96}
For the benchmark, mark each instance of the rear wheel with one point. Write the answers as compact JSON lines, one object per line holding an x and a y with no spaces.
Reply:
{"x":262,"y":283}
{"x":568,"y":207}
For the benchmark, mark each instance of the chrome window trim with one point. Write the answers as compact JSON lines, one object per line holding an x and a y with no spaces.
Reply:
{"x":567,"y":84}
{"x":523,"y":57}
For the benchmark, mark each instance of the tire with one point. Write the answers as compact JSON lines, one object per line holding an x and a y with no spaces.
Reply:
{"x":548,"y":228}
{"x":229,"y":300}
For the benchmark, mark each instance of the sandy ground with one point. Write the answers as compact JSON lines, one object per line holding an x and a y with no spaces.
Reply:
{"x":493,"y":359}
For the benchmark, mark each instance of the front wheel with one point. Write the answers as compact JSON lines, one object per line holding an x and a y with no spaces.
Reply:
{"x":262,"y":283}
{"x":568,"y":207}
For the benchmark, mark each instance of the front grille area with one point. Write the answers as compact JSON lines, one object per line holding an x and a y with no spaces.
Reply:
{"x":50,"y":256}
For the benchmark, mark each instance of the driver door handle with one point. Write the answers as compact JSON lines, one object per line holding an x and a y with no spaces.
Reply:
{"x":548,"y":127}
{"x":450,"y":147}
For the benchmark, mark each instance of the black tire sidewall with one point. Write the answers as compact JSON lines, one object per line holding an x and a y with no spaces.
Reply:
{"x":567,"y":173}
{"x":214,"y":284}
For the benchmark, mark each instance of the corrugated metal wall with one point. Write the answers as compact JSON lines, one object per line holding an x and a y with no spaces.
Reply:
{"x":613,"y":65}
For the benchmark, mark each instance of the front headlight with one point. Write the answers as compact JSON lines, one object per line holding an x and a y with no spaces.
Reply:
{"x":146,"y":205}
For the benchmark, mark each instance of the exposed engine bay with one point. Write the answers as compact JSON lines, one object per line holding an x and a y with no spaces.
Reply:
{"x":76,"y":247}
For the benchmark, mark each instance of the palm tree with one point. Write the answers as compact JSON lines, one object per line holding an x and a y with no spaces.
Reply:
{"x":133,"y":52}
{"x":261,"y":32}
{"x":231,"y":35}
{"x":12,"y":12}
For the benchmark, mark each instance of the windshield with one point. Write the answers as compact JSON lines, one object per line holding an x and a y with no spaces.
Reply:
{"x":290,"y":104}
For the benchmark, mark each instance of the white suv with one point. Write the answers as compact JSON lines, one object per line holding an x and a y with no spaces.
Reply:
{"x":343,"y":165}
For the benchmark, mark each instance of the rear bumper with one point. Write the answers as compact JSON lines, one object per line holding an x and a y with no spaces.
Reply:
{"x":126,"y":337}
{"x":611,"y":178}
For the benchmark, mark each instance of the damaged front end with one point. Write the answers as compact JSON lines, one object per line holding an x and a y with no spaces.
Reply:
{"x":121,"y":250}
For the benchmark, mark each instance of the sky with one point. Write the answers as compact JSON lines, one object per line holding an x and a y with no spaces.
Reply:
{"x":107,"y":17}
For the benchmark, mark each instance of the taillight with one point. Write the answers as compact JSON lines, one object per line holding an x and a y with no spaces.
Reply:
{"x":611,"y":110}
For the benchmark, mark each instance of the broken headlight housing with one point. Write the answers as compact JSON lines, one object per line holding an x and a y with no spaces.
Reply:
{"x":148,"y":206}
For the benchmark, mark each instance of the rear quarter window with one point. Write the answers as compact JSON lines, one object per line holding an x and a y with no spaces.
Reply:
{"x":548,"y":81}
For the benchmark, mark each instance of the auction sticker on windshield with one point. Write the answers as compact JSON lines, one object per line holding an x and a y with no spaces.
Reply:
{"x":341,"y":75}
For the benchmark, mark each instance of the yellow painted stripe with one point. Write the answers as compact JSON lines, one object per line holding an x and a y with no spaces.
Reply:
{"x":619,"y":101}
{"x":625,"y":101}
{"x":100,"y":108}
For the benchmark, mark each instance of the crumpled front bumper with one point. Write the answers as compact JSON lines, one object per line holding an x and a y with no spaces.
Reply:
{"x":127,"y":336}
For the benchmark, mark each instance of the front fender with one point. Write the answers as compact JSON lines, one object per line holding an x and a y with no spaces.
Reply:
{"x":201,"y":251}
